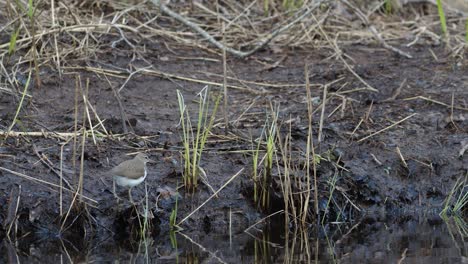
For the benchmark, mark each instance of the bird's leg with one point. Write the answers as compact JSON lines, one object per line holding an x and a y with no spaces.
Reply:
{"x":115,"y":193}
{"x":130,"y":195}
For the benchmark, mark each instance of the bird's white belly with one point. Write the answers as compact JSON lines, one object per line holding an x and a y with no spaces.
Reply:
{"x":126,"y":182}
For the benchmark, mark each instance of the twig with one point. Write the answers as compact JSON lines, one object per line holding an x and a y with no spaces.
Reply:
{"x":225,"y":89}
{"x":131,"y":75}
{"x":51,"y":167}
{"x":13,"y":206}
{"x":62,"y":135}
{"x":123,"y":116}
{"x":376,"y":159}
{"x":396,"y":93}
{"x":401,"y":157}
{"x":322,"y":114}
{"x":84,"y":94}
{"x":403,"y":256}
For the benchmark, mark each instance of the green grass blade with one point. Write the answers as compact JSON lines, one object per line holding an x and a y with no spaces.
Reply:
{"x":30,"y":9}
{"x":443,"y":22}
{"x":21,"y":102}
{"x":13,"y":38}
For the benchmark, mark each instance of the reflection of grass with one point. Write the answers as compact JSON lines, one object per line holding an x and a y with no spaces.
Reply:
{"x":255,"y":162}
{"x":332,"y":185}
{"x":461,"y":225}
{"x":458,"y":231}
{"x":194,"y":144}
{"x":331,"y":246}
{"x":173,"y":216}
{"x":145,"y":223}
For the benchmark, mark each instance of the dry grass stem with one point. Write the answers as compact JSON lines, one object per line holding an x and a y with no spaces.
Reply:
{"x":387,"y":128}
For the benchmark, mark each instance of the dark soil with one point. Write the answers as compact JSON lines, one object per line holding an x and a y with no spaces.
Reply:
{"x":372,"y":176}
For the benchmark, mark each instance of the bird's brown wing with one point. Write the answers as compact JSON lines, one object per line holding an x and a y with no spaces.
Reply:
{"x":129,"y":169}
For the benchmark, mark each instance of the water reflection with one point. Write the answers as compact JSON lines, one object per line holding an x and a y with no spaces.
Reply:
{"x":369,"y":241}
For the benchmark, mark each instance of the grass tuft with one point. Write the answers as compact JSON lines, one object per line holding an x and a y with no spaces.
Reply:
{"x":194,"y":143}
{"x":455,"y":203}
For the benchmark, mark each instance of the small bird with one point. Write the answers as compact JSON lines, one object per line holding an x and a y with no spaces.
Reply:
{"x":130,"y":173}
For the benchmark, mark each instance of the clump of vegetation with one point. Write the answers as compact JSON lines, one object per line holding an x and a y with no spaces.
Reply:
{"x":194,"y":141}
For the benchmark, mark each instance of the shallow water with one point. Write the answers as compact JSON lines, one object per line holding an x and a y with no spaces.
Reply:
{"x":403,"y":240}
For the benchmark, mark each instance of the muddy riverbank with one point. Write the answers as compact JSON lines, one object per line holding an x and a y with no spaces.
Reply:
{"x":393,"y":139}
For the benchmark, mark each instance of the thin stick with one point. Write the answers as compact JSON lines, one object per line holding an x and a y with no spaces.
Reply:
{"x":54,"y":23}
{"x":12,"y":216}
{"x":322,"y":114}
{"x":49,"y":164}
{"x":101,"y":123}
{"x":397,"y":92}
{"x":403,"y":256}
{"x":211,"y":197}
{"x":75,"y":136}
{"x":79,"y":189}
{"x":62,"y":135}
{"x":86,"y":111}
{"x":61,"y":180}
{"x":123,"y":116}
{"x":20,"y":104}
{"x":310,"y":150}
{"x":401,"y":157}
{"x":356,"y":128}
{"x":226,"y":121}
{"x":435,"y":102}
{"x":384,"y":129}
{"x":263,"y":219}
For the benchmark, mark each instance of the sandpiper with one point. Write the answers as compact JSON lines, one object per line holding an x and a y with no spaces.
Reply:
{"x":130,"y":173}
